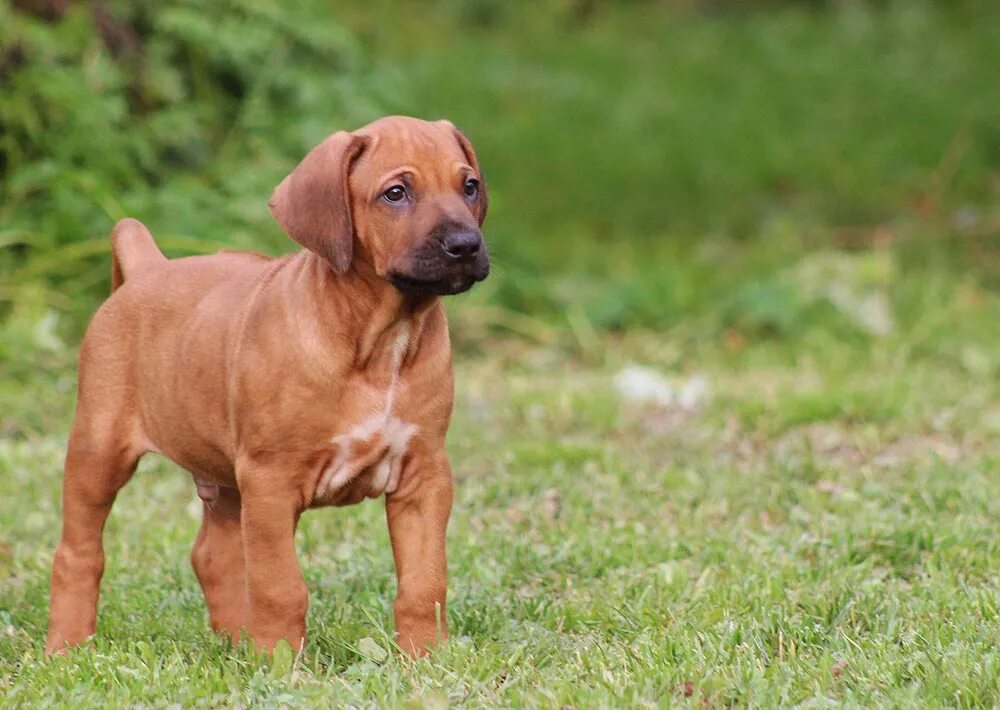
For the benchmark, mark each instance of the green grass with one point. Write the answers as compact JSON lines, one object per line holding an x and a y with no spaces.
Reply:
{"x":822,"y":528}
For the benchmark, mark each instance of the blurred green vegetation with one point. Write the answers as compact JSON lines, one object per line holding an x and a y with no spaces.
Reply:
{"x":726,"y":170}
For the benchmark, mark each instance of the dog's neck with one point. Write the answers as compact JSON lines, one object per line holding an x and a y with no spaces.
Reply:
{"x":370,"y":308}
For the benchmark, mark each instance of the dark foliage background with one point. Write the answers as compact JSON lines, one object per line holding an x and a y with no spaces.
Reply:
{"x":698,"y":167}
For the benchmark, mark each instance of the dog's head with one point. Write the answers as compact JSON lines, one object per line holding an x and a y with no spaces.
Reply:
{"x":404,"y":195}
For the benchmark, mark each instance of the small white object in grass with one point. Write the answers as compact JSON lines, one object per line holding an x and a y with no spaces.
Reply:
{"x":643,"y":384}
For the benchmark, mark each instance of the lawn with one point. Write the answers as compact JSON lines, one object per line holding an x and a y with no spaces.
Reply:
{"x":815,"y":527}
{"x":727,"y":423}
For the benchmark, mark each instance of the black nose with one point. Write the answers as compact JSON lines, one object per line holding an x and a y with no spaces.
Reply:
{"x":462,"y":244}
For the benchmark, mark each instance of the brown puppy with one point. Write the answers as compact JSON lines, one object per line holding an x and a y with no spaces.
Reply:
{"x":319,"y":378}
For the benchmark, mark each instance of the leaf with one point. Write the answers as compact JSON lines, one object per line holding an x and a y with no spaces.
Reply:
{"x":370,"y":649}
{"x":282,"y":659}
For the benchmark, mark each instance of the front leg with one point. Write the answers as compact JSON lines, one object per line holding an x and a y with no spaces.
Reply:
{"x":418,"y":519}
{"x":276,"y":593}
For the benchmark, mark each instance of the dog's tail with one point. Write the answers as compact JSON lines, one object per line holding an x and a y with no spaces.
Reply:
{"x":132,"y":248}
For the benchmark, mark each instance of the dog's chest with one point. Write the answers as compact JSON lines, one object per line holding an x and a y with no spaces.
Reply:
{"x":369,"y":449}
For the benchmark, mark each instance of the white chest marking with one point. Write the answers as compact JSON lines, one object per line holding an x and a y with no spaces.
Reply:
{"x":377,"y":443}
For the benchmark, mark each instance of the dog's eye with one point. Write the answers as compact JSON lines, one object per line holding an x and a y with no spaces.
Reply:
{"x":396,"y":193}
{"x":471,"y":187}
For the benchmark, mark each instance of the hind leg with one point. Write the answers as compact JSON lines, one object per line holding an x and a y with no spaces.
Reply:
{"x":217,"y":559}
{"x":100,"y":461}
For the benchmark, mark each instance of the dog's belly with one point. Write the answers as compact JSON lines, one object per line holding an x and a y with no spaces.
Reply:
{"x":205,"y":466}
{"x":367,"y":461}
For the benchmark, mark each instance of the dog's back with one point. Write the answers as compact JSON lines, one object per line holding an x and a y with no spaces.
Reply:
{"x":133,"y":249}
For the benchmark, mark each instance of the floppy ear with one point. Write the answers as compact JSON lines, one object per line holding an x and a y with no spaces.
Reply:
{"x":470,"y":156}
{"x":312,"y":204}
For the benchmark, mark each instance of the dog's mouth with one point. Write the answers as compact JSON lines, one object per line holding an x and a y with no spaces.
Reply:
{"x":447,"y":285}
{"x":431,"y":278}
